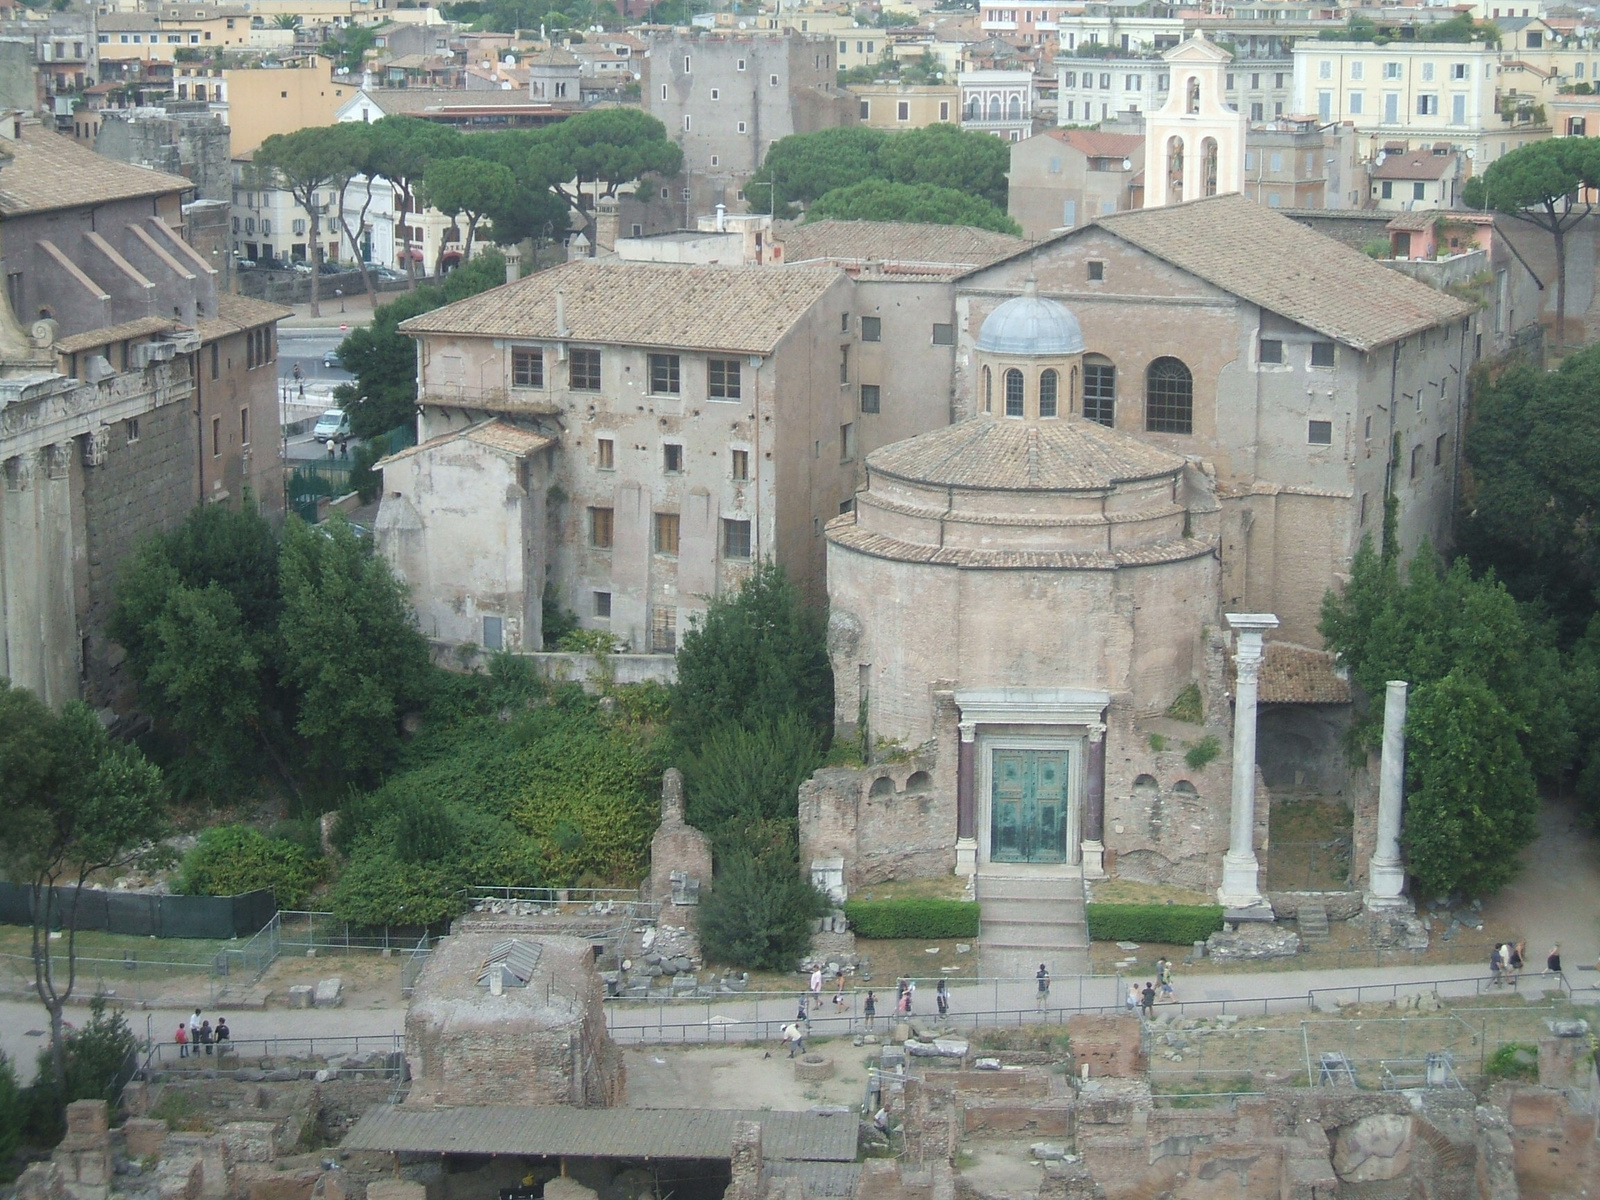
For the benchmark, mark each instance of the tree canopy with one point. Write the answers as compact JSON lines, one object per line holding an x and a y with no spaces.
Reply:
{"x":1550,"y":184}
{"x":876,"y":200}
{"x":467,"y":186}
{"x":305,"y":162}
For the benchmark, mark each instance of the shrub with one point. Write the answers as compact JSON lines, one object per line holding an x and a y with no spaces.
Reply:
{"x":759,"y":913}
{"x":1200,"y":754}
{"x":97,"y":1060}
{"x":743,"y":776}
{"x":1173,"y":924}
{"x":913,"y":918}
{"x":1186,"y":706}
{"x":1514,"y":1060}
{"x":11,"y":1113}
{"x":229,"y":859}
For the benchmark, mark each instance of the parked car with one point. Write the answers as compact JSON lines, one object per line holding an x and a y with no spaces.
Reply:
{"x":331,"y":361}
{"x":244,"y":264}
{"x":335,"y":423}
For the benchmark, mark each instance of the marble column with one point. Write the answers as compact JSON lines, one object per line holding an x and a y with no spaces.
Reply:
{"x":1094,"y":805}
{"x":1240,"y":887}
{"x":966,"y":801}
{"x":1386,"y":876}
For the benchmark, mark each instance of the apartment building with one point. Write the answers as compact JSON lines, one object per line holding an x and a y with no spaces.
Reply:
{"x":1415,"y":95}
{"x":633,"y":436}
{"x":998,"y":102}
{"x":1063,"y":178}
{"x":1415,"y":180}
{"x":1091,"y":89}
{"x":727,"y":96}
{"x":892,"y":106}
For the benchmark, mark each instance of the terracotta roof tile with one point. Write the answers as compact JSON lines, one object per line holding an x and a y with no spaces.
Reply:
{"x":238,"y":313}
{"x":989,"y":453}
{"x":495,"y":434}
{"x":1422,"y":165}
{"x":1096,"y":144}
{"x":741,"y":310}
{"x":1261,"y":256}
{"x":48,"y":171}
{"x":1299,"y":675}
{"x":95,"y":338}
{"x":844,"y":532}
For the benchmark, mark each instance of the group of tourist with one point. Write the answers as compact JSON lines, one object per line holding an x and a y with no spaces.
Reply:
{"x":198,"y":1032}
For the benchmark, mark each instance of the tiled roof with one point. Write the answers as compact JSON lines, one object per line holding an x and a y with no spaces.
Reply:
{"x":413,"y":100}
{"x":844,"y":532}
{"x":1099,"y":145}
{"x":95,"y":338}
{"x":1422,"y":165}
{"x":958,"y":246}
{"x":554,"y":1130}
{"x":495,"y":434}
{"x":992,"y":453}
{"x":1261,"y":256}
{"x":742,"y":310}
{"x":48,"y":171}
{"x":1298,"y":675}
{"x":238,"y":313}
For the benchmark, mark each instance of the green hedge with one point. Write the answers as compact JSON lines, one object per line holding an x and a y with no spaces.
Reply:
{"x":1174,"y":924}
{"x":912,"y":918}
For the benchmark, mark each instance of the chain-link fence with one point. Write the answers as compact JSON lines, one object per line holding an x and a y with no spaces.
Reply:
{"x":132,"y":977}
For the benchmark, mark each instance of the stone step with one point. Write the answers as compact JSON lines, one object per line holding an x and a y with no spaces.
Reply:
{"x":1312,"y":920}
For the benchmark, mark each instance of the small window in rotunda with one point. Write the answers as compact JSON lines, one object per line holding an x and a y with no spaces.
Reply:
{"x":1013,"y":392}
{"x":988,"y":390}
{"x":1048,"y":384}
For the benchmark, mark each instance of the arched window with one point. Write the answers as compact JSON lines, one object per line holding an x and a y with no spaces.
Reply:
{"x":1048,"y":383}
{"x":1016,"y":107}
{"x":1194,"y":94}
{"x":1208,"y":165}
{"x":1013,"y":392}
{"x":988,"y":391}
{"x":1099,"y":390}
{"x":973,"y":111}
{"x":1168,"y":397}
{"x":1175,"y":170}
{"x":994,"y":108}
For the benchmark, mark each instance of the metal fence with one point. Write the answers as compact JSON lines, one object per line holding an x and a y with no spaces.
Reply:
{"x":622,"y":903}
{"x":132,"y":977}
{"x":143,"y":914}
{"x":336,"y":1052}
{"x":299,"y":932}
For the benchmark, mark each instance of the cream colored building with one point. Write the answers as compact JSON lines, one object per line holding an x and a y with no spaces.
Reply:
{"x":266,"y":100}
{"x":906,"y":106}
{"x":1417,"y":94}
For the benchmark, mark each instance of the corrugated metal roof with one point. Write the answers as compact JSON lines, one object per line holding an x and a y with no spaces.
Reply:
{"x":602,"y":1132}
{"x":821,"y":1179}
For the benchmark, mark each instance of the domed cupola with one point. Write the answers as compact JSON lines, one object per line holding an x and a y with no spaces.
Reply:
{"x":1029,"y":352}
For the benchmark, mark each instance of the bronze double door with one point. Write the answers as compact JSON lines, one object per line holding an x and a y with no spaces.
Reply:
{"x":1028,"y":812}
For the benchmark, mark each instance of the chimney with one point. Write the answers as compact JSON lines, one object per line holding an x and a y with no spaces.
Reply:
{"x":722,"y":211}
{"x":561,"y":315}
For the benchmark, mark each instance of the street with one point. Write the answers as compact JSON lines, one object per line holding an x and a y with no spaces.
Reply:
{"x":305,"y":348}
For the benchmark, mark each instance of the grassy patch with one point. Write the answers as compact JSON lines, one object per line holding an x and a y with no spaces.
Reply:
{"x":1050,"y":1038}
{"x":1126,"y":891}
{"x":1186,"y":706}
{"x":178,"y":1108}
{"x":934,"y":887}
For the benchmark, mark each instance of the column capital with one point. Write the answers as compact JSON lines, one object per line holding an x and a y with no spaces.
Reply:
{"x":1097,"y":732}
{"x":969,"y":730}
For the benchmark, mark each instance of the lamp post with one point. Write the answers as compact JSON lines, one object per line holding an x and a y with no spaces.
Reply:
{"x":339,"y":292}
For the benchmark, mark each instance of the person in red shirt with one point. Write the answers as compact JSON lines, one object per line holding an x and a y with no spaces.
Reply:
{"x":182,"y":1038}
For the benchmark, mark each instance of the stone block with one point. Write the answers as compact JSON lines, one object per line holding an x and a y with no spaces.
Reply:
{"x":402,"y":1189}
{"x":300,"y":995}
{"x":567,"y":1189}
{"x":142,"y":1136}
{"x":1253,"y":942}
{"x":329,"y":993}
{"x":42,"y":1181}
{"x":251,"y":1141}
{"x":263,"y":1183}
{"x":1374,"y":1148}
{"x":88,"y":1118}
{"x":178,"y":1177}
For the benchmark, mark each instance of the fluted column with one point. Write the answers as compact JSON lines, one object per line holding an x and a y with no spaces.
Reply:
{"x":1240,"y":870}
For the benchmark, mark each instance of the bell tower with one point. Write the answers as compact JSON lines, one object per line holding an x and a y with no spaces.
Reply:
{"x":1193,"y":144}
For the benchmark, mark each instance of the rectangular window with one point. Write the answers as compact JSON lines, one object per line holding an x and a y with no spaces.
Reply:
{"x":1391,"y":70}
{"x":1324,"y":106}
{"x":1099,"y":393}
{"x":847,"y":441}
{"x":216,"y":359}
{"x":735,"y":539}
{"x":1459,"y":70}
{"x":602,"y":605}
{"x":1427,"y":105}
{"x":664,"y":377}
{"x":1097,"y":271}
{"x":1271,"y":351}
{"x":1438,"y":450}
{"x":871,"y":329}
{"x":870,"y":398}
{"x":740,"y":462}
{"x":1356,"y":103}
{"x":664,"y":622}
{"x":844,"y":365}
{"x":527,"y":368}
{"x":494,"y":637}
{"x":1362,"y":519}
{"x":130,"y":430}
{"x":944,"y":335}
{"x":903,"y":110}
{"x":583,"y":371}
{"x":1319,"y":433}
{"x":1427,"y":72}
{"x":666,"y":533}
{"x":1322,"y":354}
{"x":672,"y":458}
{"x":1356,"y":67}
{"x":722,"y":378}
{"x":606,"y":454}
{"x":1325,"y":69}
{"x":216,"y":437}
{"x":1416,"y":461}
{"x":1458,"y":111}
{"x":602,"y":528}
{"x":244,"y":427}
{"x":1386,"y":189}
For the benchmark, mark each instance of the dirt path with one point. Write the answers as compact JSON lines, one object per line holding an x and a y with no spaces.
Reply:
{"x":741,"y":1077}
{"x":1556,"y":898}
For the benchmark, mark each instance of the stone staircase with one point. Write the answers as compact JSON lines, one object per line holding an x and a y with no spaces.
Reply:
{"x":1030,"y":917}
{"x":1313,"y":922}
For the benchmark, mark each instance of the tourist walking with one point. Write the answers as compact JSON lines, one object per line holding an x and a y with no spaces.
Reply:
{"x":194,"y":1030}
{"x":1518,"y":953}
{"x":222,"y":1034}
{"x":1147,"y":999}
{"x":838,"y":988}
{"x":1496,"y":964}
{"x":1164,"y":978}
{"x":1552,"y":961}
{"x":802,"y":1014}
{"x":869,"y":1006}
{"x":182,"y":1038}
{"x":1042,"y":977}
{"x":205,"y":1035}
{"x":911,"y":995}
{"x":816,"y":988}
{"x":1132,"y":999}
{"x":941,"y":997}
